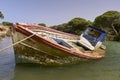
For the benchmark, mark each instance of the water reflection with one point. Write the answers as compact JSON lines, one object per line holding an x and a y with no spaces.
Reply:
{"x":7,"y":60}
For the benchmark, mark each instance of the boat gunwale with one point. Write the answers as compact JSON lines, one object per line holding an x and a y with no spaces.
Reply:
{"x":28,"y":32}
{"x":31,"y":26}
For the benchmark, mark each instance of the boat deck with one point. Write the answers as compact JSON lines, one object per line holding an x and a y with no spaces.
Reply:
{"x":67,"y":42}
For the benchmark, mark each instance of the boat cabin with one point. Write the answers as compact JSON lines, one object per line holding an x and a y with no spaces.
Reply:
{"x":92,"y":37}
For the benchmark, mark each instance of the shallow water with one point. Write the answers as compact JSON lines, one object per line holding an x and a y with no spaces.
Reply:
{"x":7,"y":60}
{"x":104,"y":69}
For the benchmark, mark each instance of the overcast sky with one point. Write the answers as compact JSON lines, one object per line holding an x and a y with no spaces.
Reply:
{"x":54,"y":12}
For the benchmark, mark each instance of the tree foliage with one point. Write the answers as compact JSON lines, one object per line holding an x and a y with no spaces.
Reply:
{"x":117,"y":25}
{"x":1,"y":15}
{"x":7,"y":23}
{"x":117,"y":28}
{"x":107,"y":19}
{"x":62,"y":27}
{"x":74,"y":26}
{"x":42,"y":24}
{"x":78,"y":25}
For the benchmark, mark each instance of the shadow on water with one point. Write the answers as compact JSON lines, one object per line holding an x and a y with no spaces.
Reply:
{"x":107,"y":68}
{"x":7,"y":60}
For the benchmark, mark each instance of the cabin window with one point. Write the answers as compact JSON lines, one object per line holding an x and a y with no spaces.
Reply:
{"x":92,"y":36}
{"x":94,"y":33}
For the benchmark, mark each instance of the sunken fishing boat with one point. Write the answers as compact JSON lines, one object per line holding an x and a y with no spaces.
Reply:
{"x":43,"y":45}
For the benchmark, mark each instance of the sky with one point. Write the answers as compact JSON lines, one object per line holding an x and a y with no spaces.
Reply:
{"x":54,"y":12}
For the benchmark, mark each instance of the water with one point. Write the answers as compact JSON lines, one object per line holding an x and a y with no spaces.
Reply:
{"x":104,"y":69}
{"x":7,"y":61}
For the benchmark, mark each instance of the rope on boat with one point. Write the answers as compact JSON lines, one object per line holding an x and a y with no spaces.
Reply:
{"x":16,"y":43}
{"x":20,"y":42}
{"x":37,"y":49}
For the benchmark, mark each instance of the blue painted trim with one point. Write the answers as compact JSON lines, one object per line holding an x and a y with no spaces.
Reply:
{"x":94,"y":40}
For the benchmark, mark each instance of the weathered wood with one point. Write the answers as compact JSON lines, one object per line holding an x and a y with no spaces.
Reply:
{"x":40,"y":48}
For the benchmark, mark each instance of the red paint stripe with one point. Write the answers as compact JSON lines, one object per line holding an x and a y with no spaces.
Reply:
{"x":57,"y":46}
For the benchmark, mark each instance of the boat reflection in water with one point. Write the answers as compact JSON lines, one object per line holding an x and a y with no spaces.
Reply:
{"x":7,"y":60}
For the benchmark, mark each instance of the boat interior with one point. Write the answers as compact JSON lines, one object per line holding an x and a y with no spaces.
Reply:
{"x":67,"y":40}
{"x":62,"y":39}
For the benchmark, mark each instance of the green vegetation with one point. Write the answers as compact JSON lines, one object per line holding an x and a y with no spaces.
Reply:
{"x":42,"y":24}
{"x":108,"y":21}
{"x":74,"y":26}
{"x":1,"y":15}
{"x":5,"y":23}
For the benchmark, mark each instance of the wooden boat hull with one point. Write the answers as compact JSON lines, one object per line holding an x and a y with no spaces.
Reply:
{"x":42,"y":51}
{"x":37,"y":52}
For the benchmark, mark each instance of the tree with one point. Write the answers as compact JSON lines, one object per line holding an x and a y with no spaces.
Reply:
{"x":78,"y":25}
{"x":1,"y":15}
{"x":42,"y":24}
{"x":62,"y":27}
{"x":74,"y":26}
{"x":7,"y":23}
{"x":117,"y":28}
{"x":107,"y":19}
